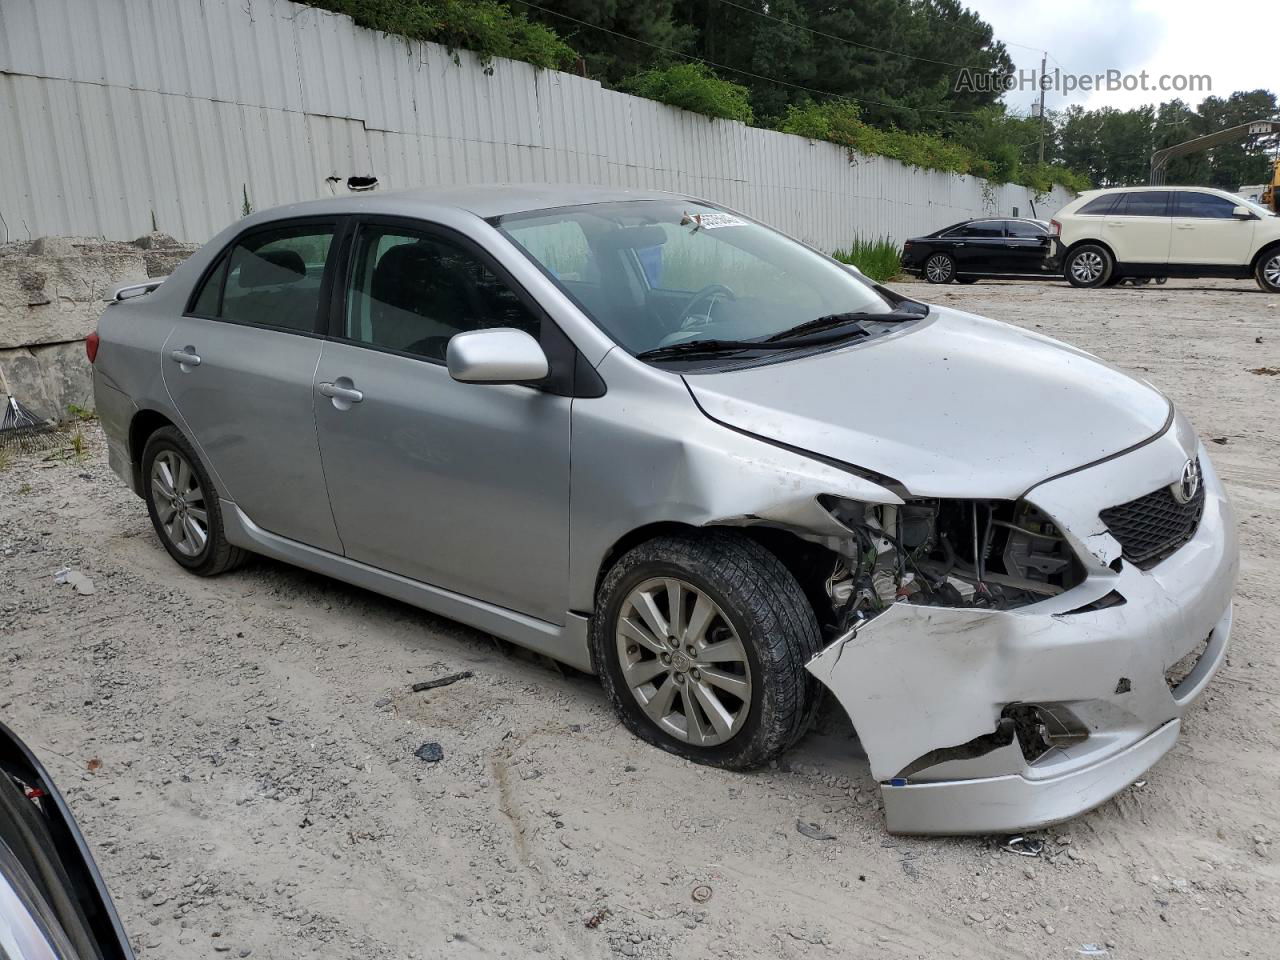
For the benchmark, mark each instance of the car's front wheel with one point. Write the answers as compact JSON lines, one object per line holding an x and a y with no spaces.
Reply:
{"x":1089,"y":265}
{"x":183,"y":507}
{"x":1268,"y":271}
{"x":701,"y":642}
{"x":940,"y":268}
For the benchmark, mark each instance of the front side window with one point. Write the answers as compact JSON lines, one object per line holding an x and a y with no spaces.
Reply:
{"x":981,"y":228}
{"x":1206,"y":206}
{"x":1146,"y":203}
{"x":411,"y":292}
{"x":270,"y":278}
{"x":655,"y":273}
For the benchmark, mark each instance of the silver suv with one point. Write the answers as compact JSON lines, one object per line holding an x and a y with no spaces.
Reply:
{"x":658,"y":441}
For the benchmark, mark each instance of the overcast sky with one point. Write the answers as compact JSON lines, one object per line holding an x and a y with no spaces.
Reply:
{"x":1234,"y":41}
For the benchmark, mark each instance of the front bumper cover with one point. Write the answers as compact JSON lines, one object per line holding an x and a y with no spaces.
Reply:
{"x":921,"y":684}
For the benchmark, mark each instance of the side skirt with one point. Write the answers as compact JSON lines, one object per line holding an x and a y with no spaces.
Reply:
{"x":568,"y":644}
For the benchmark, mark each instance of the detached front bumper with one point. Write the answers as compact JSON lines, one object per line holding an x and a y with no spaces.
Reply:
{"x":927,"y":687}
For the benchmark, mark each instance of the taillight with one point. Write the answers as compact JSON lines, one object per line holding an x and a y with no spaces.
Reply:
{"x":91,"y":346}
{"x":1055,"y":228}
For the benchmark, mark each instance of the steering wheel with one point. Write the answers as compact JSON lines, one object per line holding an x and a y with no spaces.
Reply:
{"x":710,"y":291}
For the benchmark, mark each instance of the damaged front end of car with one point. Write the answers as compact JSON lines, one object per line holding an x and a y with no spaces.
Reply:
{"x":1005,"y":663}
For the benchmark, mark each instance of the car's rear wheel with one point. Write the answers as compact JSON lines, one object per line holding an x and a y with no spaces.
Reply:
{"x":940,"y":268}
{"x":183,"y":507}
{"x":1268,"y":271}
{"x":1089,"y":265}
{"x":701,"y":642}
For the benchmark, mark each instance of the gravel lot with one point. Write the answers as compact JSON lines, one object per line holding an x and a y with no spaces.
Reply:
{"x":240,"y":751}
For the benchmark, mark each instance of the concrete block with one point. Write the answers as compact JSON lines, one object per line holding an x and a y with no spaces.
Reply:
{"x":49,"y":379}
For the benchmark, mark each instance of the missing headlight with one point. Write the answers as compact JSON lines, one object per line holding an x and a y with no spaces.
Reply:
{"x":956,"y":553}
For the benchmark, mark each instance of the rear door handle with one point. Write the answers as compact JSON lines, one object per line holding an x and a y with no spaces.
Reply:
{"x":338,"y":392}
{"x":186,"y":356}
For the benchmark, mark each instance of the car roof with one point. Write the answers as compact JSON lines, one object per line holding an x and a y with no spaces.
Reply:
{"x":484,"y":200}
{"x":1180,"y":189}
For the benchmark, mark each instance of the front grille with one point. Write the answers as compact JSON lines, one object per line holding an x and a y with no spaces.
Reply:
{"x":1152,"y":527}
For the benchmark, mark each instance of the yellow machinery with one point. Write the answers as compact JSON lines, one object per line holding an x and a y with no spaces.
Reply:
{"x":1271,"y":195}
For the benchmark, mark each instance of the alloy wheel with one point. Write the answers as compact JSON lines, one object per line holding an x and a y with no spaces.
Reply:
{"x":938,"y":269}
{"x":180,"y":503}
{"x":1087,"y":267}
{"x":684,"y":662}
{"x":1271,"y":272}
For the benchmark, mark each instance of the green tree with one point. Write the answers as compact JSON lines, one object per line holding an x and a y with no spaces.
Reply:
{"x":616,"y":39}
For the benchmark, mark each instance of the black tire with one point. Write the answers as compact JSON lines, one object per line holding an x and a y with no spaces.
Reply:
{"x":1089,"y":265}
{"x":216,"y":555}
{"x":1161,"y":281}
{"x":765,"y":606}
{"x":939,"y":268}
{"x":966,"y":280}
{"x":1267,"y":270}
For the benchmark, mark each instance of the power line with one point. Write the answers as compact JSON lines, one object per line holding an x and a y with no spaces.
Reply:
{"x":745,"y":73}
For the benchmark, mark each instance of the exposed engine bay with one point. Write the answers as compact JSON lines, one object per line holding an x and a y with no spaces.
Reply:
{"x":994,"y":554}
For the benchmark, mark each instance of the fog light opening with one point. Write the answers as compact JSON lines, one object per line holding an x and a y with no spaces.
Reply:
{"x":1040,"y":728}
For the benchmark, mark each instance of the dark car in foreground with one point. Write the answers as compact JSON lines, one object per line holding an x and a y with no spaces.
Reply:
{"x":53,"y":903}
{"x":965,"y":252}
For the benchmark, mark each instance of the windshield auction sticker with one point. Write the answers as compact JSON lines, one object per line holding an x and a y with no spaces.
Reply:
{"x":710,"y":221}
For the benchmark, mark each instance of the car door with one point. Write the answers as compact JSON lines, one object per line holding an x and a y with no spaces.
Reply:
{"x":1138,"y":228}
{"x":978,"y":246}
{"x":239,"y":367}
{"x":1026,"y":247}
{"x":462,"y":486}
{"x":1206,"y":231}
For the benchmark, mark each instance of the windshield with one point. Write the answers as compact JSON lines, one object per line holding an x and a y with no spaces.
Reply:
{"x":655,"y":273}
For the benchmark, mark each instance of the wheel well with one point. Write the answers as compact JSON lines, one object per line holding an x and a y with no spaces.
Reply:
{"x":143,"y":425}
{"x":1253,"y":265}
{"x":809,"y":563}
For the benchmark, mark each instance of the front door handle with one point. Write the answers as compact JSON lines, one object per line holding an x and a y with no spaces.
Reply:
{"x":341,"y":393}
{"x":187,"y":357}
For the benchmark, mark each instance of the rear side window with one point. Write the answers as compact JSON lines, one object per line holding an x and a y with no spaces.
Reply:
{"x":1023,"y":228}
{"x":1206,"y":206}
{"x":1146,"y":203}
{"x":270,"y":278}
{"x":1101,"y":206}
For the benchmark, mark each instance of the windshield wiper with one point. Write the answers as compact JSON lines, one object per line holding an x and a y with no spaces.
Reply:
{"x":834,"y":321}
{"x":693,"y":348}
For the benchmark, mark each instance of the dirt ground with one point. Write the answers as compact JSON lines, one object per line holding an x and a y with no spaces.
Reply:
{"x":240,"y":751}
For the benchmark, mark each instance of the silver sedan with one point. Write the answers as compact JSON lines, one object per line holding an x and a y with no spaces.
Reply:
{"x":656,"y":440}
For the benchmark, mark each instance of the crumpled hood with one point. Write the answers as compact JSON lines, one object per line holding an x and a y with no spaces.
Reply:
{"x":953,"y":406}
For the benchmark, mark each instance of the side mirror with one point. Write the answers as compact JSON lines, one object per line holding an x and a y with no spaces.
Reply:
{"x":499,"y":355}
{"x":1242,"y":212}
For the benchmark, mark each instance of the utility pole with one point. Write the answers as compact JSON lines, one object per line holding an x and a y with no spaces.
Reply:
{"x":1043,"y":59}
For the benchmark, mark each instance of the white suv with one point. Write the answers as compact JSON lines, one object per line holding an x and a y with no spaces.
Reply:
{"x":1104,"y":236}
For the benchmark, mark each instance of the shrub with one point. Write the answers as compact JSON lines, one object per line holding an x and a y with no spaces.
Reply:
{"x":488,"y":28}
{"x":692,"y":86}
{"x":880,"y":259}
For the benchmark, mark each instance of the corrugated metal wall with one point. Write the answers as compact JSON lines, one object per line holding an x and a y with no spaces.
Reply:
{"x":120,"y":115}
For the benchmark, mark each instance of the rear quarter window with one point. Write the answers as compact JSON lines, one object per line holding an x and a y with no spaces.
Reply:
{"x":1100,"y":206}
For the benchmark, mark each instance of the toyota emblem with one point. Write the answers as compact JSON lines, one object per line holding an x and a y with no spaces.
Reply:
{"x":1188,"y":485}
